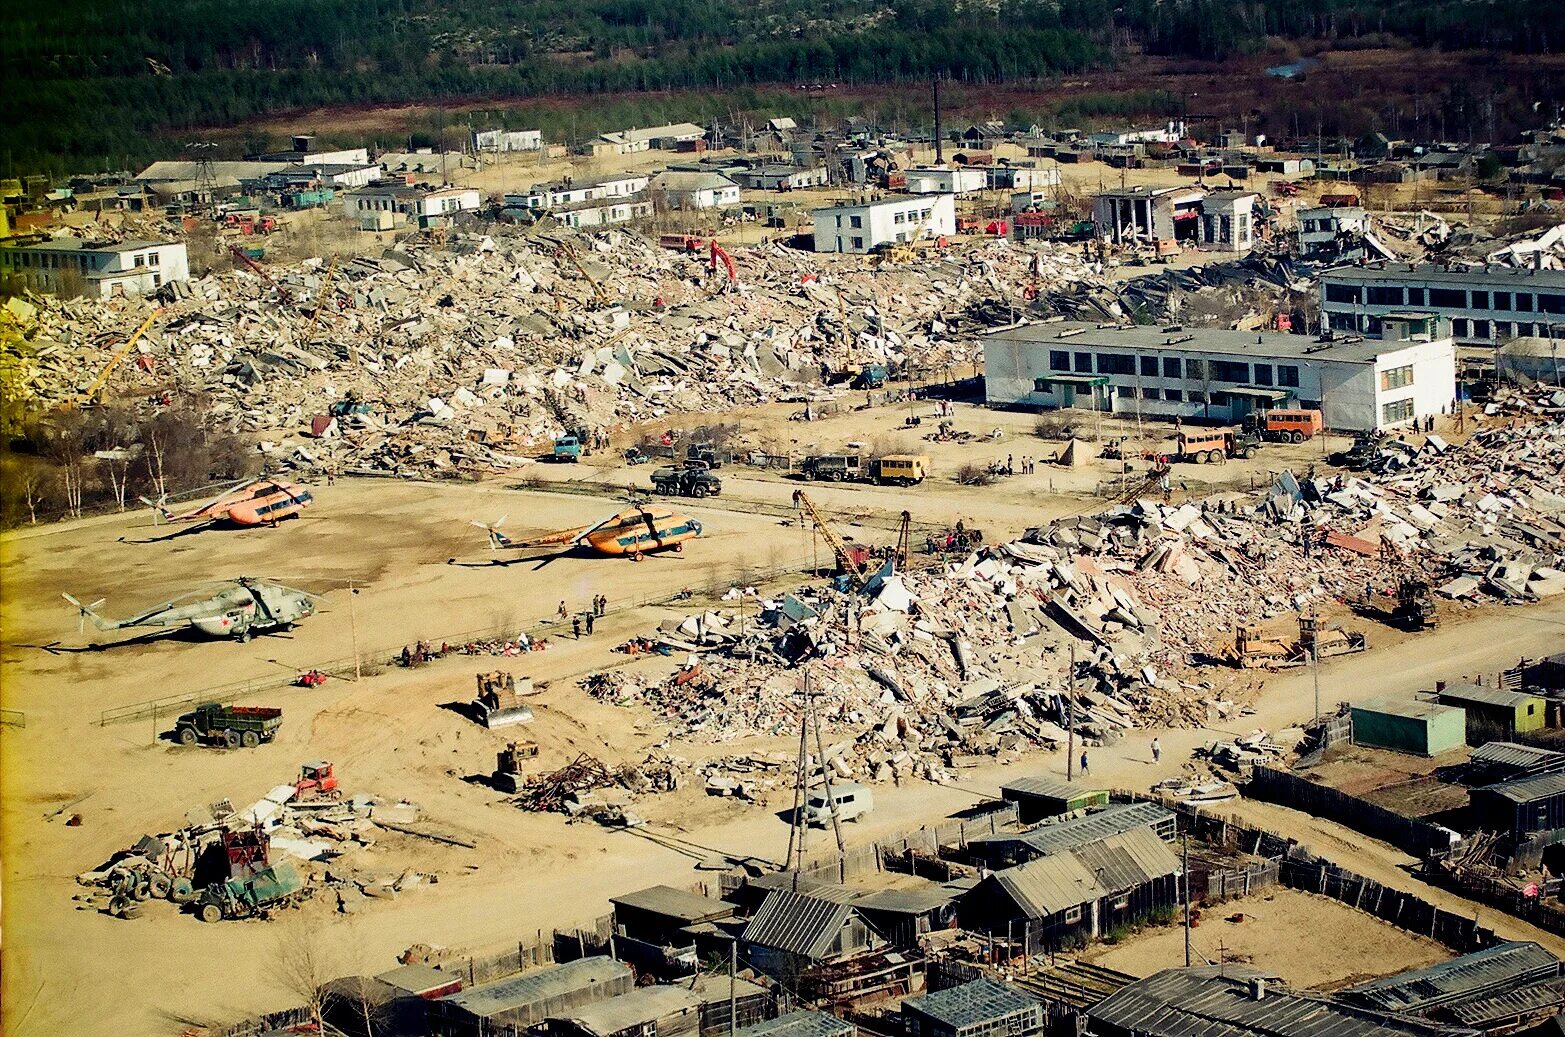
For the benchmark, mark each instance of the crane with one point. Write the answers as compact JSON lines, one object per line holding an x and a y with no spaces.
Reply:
{"x":321,"y":298}
{"x":260,"y":271}
{"x":849,"y":561}
{"x":597,"y":289}
{"x":89,"y":395}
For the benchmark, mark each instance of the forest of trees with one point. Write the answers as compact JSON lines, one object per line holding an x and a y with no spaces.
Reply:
{"x":99,"y":83}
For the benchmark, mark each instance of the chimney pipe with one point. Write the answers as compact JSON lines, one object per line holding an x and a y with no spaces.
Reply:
{"x":1258,"y":988}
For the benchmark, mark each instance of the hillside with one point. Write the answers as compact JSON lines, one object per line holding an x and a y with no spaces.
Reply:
{"x":102,"y":83}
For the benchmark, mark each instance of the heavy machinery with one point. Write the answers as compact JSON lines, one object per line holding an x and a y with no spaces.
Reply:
{"x":233,"y":726}
{"x":852,"y":560}
{"x":317,"y":781}
{"x":241,"y":256}
{"x":507,"y":776}
{"x":89,"y":395}
{"x":499,"y":703}
{"x":1414,"y":606}
{"x":716,"y":253}
{"x":693,"y":480}
{"x":704,"y":454}
{"x":243,"y":608}
{"x":254,"y":894}
{"x":1362,"y":452}
{"x":1316,"y":640}
{"x":1214,"y":446}
{"x":598,"y":291}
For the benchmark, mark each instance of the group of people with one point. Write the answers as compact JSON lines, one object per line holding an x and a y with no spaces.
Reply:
{"x":599,"y":607}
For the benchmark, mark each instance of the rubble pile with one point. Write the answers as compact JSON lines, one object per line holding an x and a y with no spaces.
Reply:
{"x":1244,"y":295}
{"x":440,"y":357}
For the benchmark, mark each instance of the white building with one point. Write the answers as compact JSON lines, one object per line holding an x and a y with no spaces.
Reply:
{"x":1359,"y":384}
{"x":666,"y":138}
{"x":508,"y":140}
{"x":958,"y":180}
{"x":1323,"y":228}
{"x":1482,"y":306}
{"x":1169,"y":133}
{"x":867,"y":226}
{"x":98,"y":269}
{"x":1022,"y":178}
{"x":1228,"y":221}
{"x":691,"y":190}
{"x":421,"y":206}
{"x":574,"y":192}
{"x":782,"y":177}
{"x":602,"y":212}
{"x":1148,"y":214}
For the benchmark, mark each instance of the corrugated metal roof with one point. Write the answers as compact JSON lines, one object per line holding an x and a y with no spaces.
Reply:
{"x":1055,"y":836}
{"x":980,"y":1001}
{"x":1043,"y":785}
{"x":532,"y":987}
{"x":1215,"y":1001}
{"x":804,"y":1023}
{"x":1514,"y":754}
{"x":1480,"y":973}
{"x":1128,"y":859}
{"x":1537,"y":997}
{"x":1485,"y":696}
{"x":914,"y":901}
{"x":800,"y":923}
{"x":1529,"y":789}
{"x":645,"y":1005}
{"x":1411,"y":709}
{"x":675,"y":903}
{"x":1049,"y":885}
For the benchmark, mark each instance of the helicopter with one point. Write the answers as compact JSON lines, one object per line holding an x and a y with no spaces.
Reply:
{"x":254,"y":503}
{"x":637,"y":531}
{"x":239,"y":610}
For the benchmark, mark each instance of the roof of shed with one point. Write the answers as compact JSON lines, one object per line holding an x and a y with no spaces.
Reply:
{"x":1530,"y":788}
{"x":803,"y":1023}
{"x":640,"y":1006}
{"x":1479,"y":972}
{"x":978,"y":1001}
{"x":1487,"y":696}
{"x":1054,"y":836}
{"x":532,"y":987}
{"x":674,"y":903}
{"x":1082,"y":874}
{"x":1054,"y":788}
{"x":800,"y":923}
{"x":1513,"y":754}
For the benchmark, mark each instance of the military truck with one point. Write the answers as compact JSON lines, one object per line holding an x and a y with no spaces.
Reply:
{"x":1363,"y":451}
{"x":704,"y":453}
{"x":832,"y":467}
{"x":689,"y":481}
{"x":251,"y":894}
{"x":233,"y":726}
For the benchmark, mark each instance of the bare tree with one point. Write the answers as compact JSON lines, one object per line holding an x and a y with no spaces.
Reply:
{"x":301,"y":964}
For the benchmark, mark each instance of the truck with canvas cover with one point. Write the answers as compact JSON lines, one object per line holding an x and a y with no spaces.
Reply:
{"x":250,"y":895}
{"x":686,"y":482}
{"x":233,"y":726}
{"x":832,"y":467}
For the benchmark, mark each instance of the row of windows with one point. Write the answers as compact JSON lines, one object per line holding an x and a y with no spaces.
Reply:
{"x":1448,"y":298}
{"x":1401,"y":410}
{"x":1129,"y":392}
{"x":1238,"y":372}
{"x":1461,"y":327}
{"x":1396,"y":377}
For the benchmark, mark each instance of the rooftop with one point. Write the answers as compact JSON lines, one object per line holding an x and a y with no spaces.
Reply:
{"x":1483,"y":972}
{"x":1486,"y":696}
{"x":1081,"y":874}
{"x":686,"y":180}
{"x":1266,"y":345}
{"x":1054,"y":788}
{"x":674,"y":903}
{"x":884,"y":200}
{"x":1401,"y":273}
{"x":1064,"y":834}
{"x":804,"y":1023}
{"x":1531,"y":788}
{"x":70,"y":244}
{"x":641,"y":1006}
{"x":1216,"y":1001}
{"x":927,"y":896}
{"x":1409,"y":709}
{"x":530,"y":988}
{"x":801,"y":923}
{"x":979,"y":1001}
{"x":1514,"y":754}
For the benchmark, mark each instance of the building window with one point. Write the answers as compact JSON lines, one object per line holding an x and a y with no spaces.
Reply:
{"x":1219,"y":399}
{"x":1415,"y":297}
{"x":152,"y":259}
{"x":1174,"y":395}
{"x":1288,"y":376}
{"x":1480,"y":329}
{"x":1149,"y":394}
{"x":856,"y":222}
{"x":1504,"y":329}
{"x":1197,"y":396}
{"x":1125,"y":392}
{"x":1195,"y":370}
{"x":1480,"y":300}
{"x":1083,"y":363}
{"x":1059,"y":360}
{"x":1459,"y":327}
{"x":1502,"y":300}
{"x":1116,"y":363}
{"x":1401,"y":410}
{"x":1452,"y":298}
{"x":858,"y":243}
{"x":1072,"y":915}
{"x":1381,"y":295}
{"x":1551,"y":303}
{"x":1230,"y":371}
{"x":1040,"y":385}
{"x":1171,"y":367}
{"x":1342,"y":293}
{"x":1396,"y":378}
{"x":1524,"y":302}
{"x":139,"y":261}
{"x":1263,"y":374}
{"x":1149,"y":367}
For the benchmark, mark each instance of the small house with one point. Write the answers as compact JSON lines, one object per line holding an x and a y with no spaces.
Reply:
{"x":1148,"y":214}
{"x":1494,"y":762}
{"x":903,"y":915}
{"x":696,"y":190}
{"x":667,"y":1011}
{"x":529,"y":998}
{"x":980,"y":1008}
{"x":665,"y":916}
{"x":792,"y":931}
{"x":1494,"y":713}
{"x":1039,"y":797}
{"x":1521,"y":806}
{"x":1003,"y":849}
{"x":803,"y":1023}
{"x":1416,"y":727}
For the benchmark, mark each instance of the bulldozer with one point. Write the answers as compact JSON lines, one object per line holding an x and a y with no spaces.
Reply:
{"x":1252,"y":651}
{"x":1414,"y":609}
{"x":317,"y":781}
{"x":507,"y":776}
{"x":1324,"y":641}
{"x":499,"y":702}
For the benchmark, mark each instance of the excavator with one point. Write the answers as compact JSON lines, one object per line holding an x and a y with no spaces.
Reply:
{"x":717,"y":252}
{"x":260,"y":271}
{"x":598,"y":291}
{"x":89,"y":395}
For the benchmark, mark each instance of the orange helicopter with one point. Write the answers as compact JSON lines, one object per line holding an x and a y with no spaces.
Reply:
{"x":259,"y":502}
{"x":633,"y":533}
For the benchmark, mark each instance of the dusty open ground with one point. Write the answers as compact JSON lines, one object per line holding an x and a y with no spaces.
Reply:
{"x":1265,"y":930}
{"x":389,"y":735}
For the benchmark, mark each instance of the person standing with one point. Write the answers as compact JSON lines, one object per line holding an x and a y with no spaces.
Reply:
{"x":589,"y":624}
{"x":1157,"y":750}
{"x":576,"y":627}
{"x":1084,"y":771}
{"x":561,"y":609}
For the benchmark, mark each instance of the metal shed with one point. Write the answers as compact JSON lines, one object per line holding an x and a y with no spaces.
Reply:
{"x":1532,"y":804}
{"x":1470,"y":977}
{"x":1004,"y":848}
{"x":1042,"y":796}
{"x":644,"y":1012}
{"x":1409,"y":726}
{"x":803,"y":1023}
{"x":976,"y":1009}
{"x":1495,"y":712}
{"x":658,"y":913}
{"x":530,"y":997}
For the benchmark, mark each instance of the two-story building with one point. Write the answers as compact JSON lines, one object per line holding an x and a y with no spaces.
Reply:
{"x":866,"y":226}
{"x":570,"y":191}
{"x":1228,"y":221}
{"x":1357,"y":383}
{"x":98,"y":269}
{"x":689,"y":189}
{"x":1483,"y":305}
{"x":1148,"y":214}
{"x":1332,"y":230}
{"x":381,"y":207}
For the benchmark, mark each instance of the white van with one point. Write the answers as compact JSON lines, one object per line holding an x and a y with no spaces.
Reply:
{"x":853,"y":801}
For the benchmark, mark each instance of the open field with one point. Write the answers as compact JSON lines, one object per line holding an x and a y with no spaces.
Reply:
{"x":388,"y":734}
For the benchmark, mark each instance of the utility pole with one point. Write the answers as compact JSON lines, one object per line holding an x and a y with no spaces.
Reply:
{"x":353,"y":632}
{"x":733,"y":998}
{"x":1186,"y":880}
{"x":1070,"y":718}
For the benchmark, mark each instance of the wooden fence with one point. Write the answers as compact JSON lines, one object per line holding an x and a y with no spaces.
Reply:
{"x":1412,"y":836}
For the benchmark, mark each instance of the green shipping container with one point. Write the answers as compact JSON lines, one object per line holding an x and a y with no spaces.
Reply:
{"x":1409,"y":726}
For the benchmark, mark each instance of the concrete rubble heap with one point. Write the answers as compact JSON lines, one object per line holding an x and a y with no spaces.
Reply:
{"x":459,"y":356}
{"x":926,"y":670}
